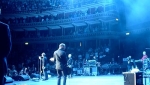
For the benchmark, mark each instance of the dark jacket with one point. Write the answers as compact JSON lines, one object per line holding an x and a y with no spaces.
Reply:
{"x":45,"y":61}
{"x":70,"y":62}
{"x":5,"y":43}
{"x":5,"y":47}
{"x":60,"y":59}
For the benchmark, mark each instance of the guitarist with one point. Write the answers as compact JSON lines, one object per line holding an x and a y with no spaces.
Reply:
{"x":131,"y":63}
{"x":70,"y":65}
{"x":145,"y":60}
{"x":44,"y":67}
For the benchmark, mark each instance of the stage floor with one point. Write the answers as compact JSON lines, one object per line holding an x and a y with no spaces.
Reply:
{"x":78,"y":80}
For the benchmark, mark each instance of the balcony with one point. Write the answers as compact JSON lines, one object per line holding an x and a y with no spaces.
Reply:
{"x":106,"y":16}
{"x":89,"y":36}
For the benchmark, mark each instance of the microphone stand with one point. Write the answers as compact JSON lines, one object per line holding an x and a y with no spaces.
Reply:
{"x":40,"y":67}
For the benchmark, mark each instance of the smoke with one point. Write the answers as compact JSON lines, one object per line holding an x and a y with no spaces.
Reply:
{"x":137,"y":11}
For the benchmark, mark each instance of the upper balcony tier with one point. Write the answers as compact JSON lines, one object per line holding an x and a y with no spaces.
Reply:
{"x":94,"y":18}
{"x":38,"y":6}
{"x":64,"y":13}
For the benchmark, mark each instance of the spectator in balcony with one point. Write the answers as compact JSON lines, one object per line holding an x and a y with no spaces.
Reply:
{"x":5,"y":47}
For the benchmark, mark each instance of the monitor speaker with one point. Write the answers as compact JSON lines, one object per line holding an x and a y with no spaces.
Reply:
{"x":24,"y":77}
{"x":8,"y":79}
{"x":133,"y":78}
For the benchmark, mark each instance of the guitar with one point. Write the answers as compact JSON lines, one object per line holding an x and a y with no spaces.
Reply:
{"x":70,"y":66}
{"x":137,"y":60}
{"x":102,"y":56}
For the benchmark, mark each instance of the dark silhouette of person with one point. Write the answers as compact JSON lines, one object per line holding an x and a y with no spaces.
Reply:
{"x":44,"y":66}
{"x":5,"y":47}
{"x":60,"y":59}
{"x":70,"y":65}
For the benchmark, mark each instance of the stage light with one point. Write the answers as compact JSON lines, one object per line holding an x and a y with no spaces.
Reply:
{"x":117,"y":19}
{"x":127,"y":33}
{"x":80,"y":44}
{"x":0,"y":11}
{"x":26,"y":43}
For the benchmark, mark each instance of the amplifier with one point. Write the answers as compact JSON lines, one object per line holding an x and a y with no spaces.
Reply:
{"x":94,"y":71}
{"x":133,"y":78}
{"x":92,"y":62}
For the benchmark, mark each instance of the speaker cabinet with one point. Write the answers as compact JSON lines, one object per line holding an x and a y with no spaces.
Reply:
{"x":94,"y":70}
{"x":133,"y":78}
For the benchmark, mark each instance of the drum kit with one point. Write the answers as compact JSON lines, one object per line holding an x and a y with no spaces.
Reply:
{"x":110,"y":68}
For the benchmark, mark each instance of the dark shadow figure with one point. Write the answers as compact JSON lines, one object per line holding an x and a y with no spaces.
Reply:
{"x":5,"y":47}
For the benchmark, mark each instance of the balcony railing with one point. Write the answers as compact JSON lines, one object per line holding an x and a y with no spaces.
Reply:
{"x":99,"y":35}
{"x":100,"y":3}
{"x":100,"y":16}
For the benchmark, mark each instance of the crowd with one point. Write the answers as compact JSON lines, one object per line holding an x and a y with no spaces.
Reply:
{"x":24,"y":59}
{"x":56,"y":16}
{"x":52,"y":17}
{"x":12,"y":6}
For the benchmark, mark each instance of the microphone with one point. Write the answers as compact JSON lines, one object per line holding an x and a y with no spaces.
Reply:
{"x":40,"y":57}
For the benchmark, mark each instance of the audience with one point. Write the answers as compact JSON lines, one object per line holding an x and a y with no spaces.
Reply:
{"x":31,"y":53}
{"x":51,"y":17}
{"x":27,"y":56}
{"x":10,"y":6}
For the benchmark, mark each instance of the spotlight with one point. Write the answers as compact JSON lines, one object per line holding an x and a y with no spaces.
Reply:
{"x":117,"y":19}
{"x":26,"y":43}
{"x":80,"y":44}
{"x":127,"y":33}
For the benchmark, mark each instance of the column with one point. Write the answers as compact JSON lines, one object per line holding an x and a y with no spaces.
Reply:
{"x":62,"y":30}
{"x":75,"y":30}
{"x":49,"y":32}
{"x":38,"y":33}
{"x":26,"y":33}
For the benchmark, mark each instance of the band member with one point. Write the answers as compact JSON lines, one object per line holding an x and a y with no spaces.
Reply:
{"x":145,"y":60}
{"x":44,"y":65}
{"x":70,"y":65}
{"x":5,"y":47}
{"x":99,"y":69}
{"x":144,"y":56}
{"x":61,"y":63}
{"x":131,"y":63}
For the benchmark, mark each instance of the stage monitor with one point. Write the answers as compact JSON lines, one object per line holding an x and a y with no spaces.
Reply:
{"x":92,"y":62}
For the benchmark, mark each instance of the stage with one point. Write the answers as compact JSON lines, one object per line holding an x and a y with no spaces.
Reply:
{"x":78,"y":80}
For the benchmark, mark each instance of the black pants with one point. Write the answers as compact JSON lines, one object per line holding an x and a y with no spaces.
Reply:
{"x":2,"y":79}
{"x":61,"y":73}
{"x":99,"y":70}
{"x":130,"y":65}
{"x":45,"y":74}
{"x":70,"y":72}
{"x":3,"y":68}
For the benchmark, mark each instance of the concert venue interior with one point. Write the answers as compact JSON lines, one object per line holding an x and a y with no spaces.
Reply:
{"x":100,"y":35}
